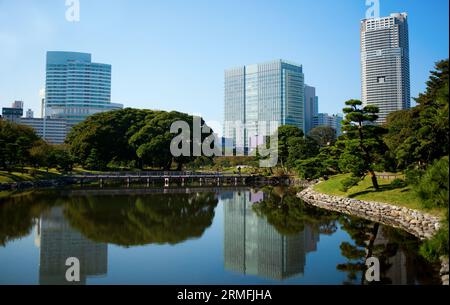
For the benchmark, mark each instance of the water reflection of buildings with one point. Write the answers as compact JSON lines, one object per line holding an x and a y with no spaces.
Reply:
{"x":400,"y":269}
{"x":58,"y":241}
{"x":253,"y":246}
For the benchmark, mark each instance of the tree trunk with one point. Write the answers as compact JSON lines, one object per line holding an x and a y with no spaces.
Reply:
{"x":374,"y":180}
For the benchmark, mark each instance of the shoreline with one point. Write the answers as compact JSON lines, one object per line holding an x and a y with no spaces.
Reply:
{"x":417,"y":223}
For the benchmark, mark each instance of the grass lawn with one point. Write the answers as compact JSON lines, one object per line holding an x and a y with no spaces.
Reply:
{"x":17,"y":176}
{"x":403,"y":196}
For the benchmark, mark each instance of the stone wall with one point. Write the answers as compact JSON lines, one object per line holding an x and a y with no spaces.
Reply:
{"x":419,"y":224}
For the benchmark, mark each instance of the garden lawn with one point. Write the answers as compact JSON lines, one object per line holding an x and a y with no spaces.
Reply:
{"x":401,"y":196}
{"x":17,"y":176}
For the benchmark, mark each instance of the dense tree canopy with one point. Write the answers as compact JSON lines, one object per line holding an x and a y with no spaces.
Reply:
{"x":15,"y":144}
{"x":420,"y":135}
{"x":129,"y":138}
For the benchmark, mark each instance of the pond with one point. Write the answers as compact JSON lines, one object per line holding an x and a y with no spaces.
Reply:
{"x":196,"y":236}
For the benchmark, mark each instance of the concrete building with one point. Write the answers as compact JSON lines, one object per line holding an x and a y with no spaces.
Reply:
{"x":311,"y":107}
{"x":53,"y":131}
{"x":17,"y":104}
{"x":269,"y":93}
{"x":385,"y":64}
{"x":76,"y":87}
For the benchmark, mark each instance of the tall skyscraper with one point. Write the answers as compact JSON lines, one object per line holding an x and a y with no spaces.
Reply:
{"x":385,"y":63}
{"x":311,"y":107}
{"x":265,"y":93}
{"x":76,"y":87}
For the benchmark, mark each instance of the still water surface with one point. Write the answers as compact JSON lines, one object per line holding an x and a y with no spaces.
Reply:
{"x":216,"y":236}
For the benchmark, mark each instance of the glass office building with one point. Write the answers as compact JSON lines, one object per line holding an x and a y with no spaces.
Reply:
{"x":76,"y":87}
{"x":261,"y":97}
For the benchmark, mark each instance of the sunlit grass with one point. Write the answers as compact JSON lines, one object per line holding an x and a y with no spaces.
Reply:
{"x":401,"y":196}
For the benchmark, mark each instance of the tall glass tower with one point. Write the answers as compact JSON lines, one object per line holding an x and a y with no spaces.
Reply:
{"x":76,"y":87}
{"x":385,"y":63}
{"x":256,"y":95}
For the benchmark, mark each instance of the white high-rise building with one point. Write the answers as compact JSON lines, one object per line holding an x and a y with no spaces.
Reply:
{"x":385,"y":63}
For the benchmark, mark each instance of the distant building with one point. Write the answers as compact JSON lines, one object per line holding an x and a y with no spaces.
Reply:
{"x":385,"y":64}
{"x":266,"y":93}
{"x":311,"y":107}
{"x":29,"y":114}
{"x":53,"y":131}
{"x":17,"y":104}
{"x":12,"y":114}
{"x":76,"y":87}
{"x":333,"y":121}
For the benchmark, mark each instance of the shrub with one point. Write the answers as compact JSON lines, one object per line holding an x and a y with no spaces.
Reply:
{"x":398,"y":183}
{"x":413,"y":175}
{"x":433,"y":186}
{"x":436,"y":247}
{"x":349,"y":182}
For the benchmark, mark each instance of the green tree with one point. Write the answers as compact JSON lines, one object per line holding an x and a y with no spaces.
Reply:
{"x":129,"y":137}
{"x":301,"y":149}
{"x":323,"y":135}
{"x":363,"y":142}
{"x":16,"y":141}
{"x":286,"y":133}
{"x":420,"y":135}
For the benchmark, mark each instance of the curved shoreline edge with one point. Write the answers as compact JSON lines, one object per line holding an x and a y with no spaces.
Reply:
{"x":419,"y":224}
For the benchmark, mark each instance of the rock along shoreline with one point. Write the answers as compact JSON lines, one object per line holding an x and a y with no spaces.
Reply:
{"x":419,"y":224}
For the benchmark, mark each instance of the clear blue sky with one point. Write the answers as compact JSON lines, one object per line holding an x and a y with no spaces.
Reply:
{"x":171,"y":55}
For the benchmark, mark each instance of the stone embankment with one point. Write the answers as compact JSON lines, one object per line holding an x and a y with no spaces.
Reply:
{"x":419,"y":224}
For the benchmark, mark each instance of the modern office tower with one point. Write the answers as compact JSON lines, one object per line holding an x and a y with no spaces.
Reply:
{"x":385,"y":63}
{"x":29,"y":114}
{"x":311,"y":107}
{"x":76,"y":87}
{"x":58,"y":241}
{"x":270,"y":93}
{"x":53,"y":131}
{"x":333,"y":121}
{"x":254,"y":247}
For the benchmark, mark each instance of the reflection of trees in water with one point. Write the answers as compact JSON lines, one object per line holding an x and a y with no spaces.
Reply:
{"x":18,"y":214}
{"x":396,"y":250}
{"x":139,"y":220}
{"x":288,"y":214}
